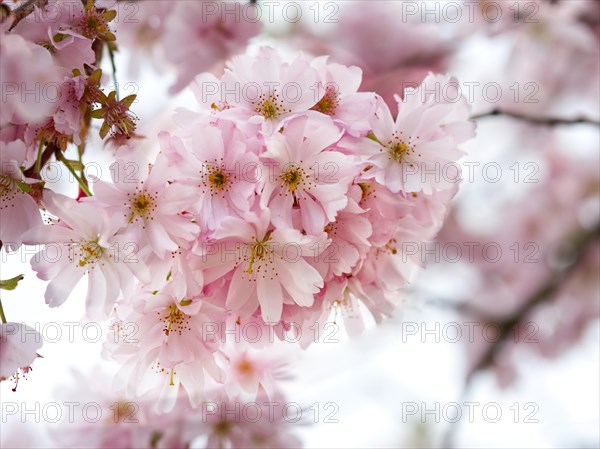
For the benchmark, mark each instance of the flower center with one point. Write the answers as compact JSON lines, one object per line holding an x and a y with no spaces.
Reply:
{"x":331,"y":229}
{"x":222,"y":428}
{"x":94,"y":24}
{"x":389,"y":247}
{"x":258,"y":251}
{"x":270,"y":106}
{"x":245,"y":367}
{"x":175,"y":321}
{"x":293,"y":178}
{"x":329,"y":103}
{"x":88,"y":252}
{"x":399,"y":149}
{"x":260,"y":256}
{"x":7,"y":185}
{"x":141,"y":205}
{"x":365,"y":189}
{"x":216,"y":178}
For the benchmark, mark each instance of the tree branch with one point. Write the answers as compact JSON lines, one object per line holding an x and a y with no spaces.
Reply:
{"x":509,"y":325}
{"x":25,"y":9}
{"x":542,"y":121}
{"x":548,"y":290}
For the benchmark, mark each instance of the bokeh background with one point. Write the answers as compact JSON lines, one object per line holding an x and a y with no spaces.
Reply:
{"x":505,"y":316}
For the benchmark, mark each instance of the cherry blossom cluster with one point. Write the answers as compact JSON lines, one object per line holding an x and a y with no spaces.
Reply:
{"x":224,"y":420}
{"x":191,"y":37}
{"x":286,"y":194}
{"x":50,"y":82}
{"x":50,"y":53}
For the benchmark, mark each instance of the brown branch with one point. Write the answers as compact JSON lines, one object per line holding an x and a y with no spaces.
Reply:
{"x":546,"y":293}
{"x":46,"y":155}
{"x":542,"y":121}
{"x":548,"y":290}
{"x":25,"y":9}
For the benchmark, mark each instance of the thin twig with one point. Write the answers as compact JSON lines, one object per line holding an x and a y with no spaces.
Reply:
{"x":25,"y":9}
{"x":82,"y":184}
{"x":542,"y":121}
{"x":548,"y":290}
{"x":508,"y":326}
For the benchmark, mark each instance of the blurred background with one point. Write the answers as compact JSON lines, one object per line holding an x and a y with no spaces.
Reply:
{"x":497,"y":344}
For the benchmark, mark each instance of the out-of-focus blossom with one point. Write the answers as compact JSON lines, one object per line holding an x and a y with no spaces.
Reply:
{"x":18,"y":349}
{"x":18,"y":210}
{"x":29,"y":80}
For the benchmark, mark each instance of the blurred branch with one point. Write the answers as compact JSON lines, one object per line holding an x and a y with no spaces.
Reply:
{"x":47,"y":153}
{"x":548,"y":290}
{"x":25,"y":9}
{"x":461,"y":307}
{"x":507,"y":326}
{"x":544,"y":121}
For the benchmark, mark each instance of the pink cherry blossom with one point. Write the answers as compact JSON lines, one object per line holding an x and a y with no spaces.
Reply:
{"x":169,"y":347}
{"x":230,"y":430}
{"x":341,"y":100}
{"x":18,"y":349}
{"x":68,"y":117}
{"x":253,"y":373}
{"x":306,"y":173}
{"x":29,"y":80}
{"x":268,"y":89}
{"x":83,"y":241}
{"x":416,"y":151}
{"x":220,"y":164}
{"x":147,"y":207}
{"x":18,"y":210}
{"x":269,"y":265}
{"x":349,"y":235}
{"x":202,"y":36}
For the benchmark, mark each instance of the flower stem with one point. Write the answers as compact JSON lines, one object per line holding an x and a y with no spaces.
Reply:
{"x":38,"y":161}
{"x":111,"y":55}
{"x":373,"y":138}
{"x":2,"y":316}
{"x":85,"y":188}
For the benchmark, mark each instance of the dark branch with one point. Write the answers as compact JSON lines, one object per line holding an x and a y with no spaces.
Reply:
{"x":46,"y":155}
{"x":542,"y":121}
{"x":25,"y":9}
{"x":545,"y":293}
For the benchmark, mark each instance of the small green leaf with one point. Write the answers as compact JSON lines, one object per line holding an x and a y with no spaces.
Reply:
{"x":95,"y":76}
{"x":24,"y":186}
{"x":75,"y":165}
{"x":97,"y":113}
{"x":109,"y":15}
{"x":373,"y":138}
{"x":59,"y":37}
{"x":104,"y":130}
{"x":155,"y":438}
{"x":11,"y":284}
{"x":128,"y":100}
